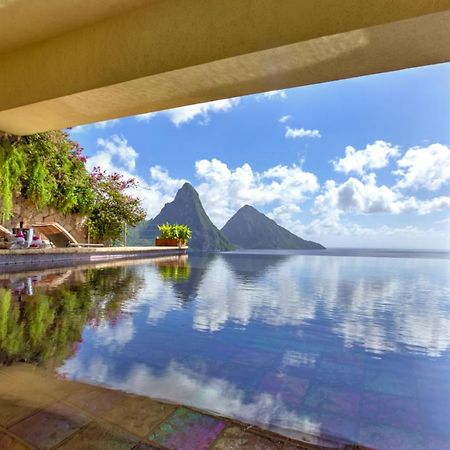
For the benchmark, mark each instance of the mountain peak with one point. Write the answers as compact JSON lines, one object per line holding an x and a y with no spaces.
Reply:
{"x":186,"y":208}
{"x":249,"y":228}
{"x":187,"y":190}
{"x":248,"y":209}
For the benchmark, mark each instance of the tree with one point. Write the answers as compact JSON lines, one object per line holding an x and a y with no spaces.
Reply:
{"x":113,"y":207}
{"x":49,"y":169}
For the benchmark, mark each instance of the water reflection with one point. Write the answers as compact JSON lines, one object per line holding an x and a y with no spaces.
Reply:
{"x":311,"y":344}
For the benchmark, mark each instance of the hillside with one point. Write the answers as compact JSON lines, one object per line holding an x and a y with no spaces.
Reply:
{"x":250,"y":229}
{"x":187,"y":209}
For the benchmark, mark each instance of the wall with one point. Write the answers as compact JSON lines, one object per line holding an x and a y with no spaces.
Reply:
{"x":29,"y":214}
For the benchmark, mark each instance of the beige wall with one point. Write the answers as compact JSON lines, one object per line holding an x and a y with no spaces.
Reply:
{"x":129,"y":58}
{"x":29,"y":214}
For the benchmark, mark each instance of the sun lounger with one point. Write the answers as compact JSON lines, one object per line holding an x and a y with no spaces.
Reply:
{"x":5,"y":237}
{"x":59,"y":235}
{"x":5,"y":232}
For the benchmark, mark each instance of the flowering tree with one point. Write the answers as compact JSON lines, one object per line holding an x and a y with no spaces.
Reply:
{"x":114,"y":207}
{"x":49,"y":169}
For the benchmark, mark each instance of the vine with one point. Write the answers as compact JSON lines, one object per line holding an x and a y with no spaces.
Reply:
{"x":48,"y":169}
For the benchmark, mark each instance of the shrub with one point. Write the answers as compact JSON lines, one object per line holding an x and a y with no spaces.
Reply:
{"x":49,"y":169}
{"x":175,"y":231}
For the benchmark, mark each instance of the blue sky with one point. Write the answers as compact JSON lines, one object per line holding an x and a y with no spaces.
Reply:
{"x":363,"y":162}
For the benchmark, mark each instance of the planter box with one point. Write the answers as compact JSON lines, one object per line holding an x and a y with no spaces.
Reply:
{"x":159,"y":242}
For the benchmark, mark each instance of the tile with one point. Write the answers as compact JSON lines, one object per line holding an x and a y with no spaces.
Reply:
{"x":291,"y":390}
{"x":390,"y":382}
{"x":49,"y":426}
{"x":187,"y":430}
{"x":389,"y":438}
{"x":144,"y":446}
{"x":42,"y":382}
{"x":338,"y":426}
{"x":339,"y":373}
{"x":13,"y":409}
{"x":437,"y":442}
{"x":95,"y":401}
{"x":347,"y":357}
{"x":255,"y":358}
{"x":436,"y":418}
{"x":100,"y":436}
{"x":235,"y":438}
{"x":18,"y":401}
{"x":139,"y":415}
{"x":391,"y":410}
{"x":330,"y":399}
{"x":243,"y":376}
{"x":9,"y":443}
{"x":434,"y":391}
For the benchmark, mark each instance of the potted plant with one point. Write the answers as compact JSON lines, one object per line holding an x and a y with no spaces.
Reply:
{"x":173,"y":235}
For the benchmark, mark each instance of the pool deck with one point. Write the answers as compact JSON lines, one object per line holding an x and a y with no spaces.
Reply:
{"x":58,"y":255}
{"x":40,"y":411}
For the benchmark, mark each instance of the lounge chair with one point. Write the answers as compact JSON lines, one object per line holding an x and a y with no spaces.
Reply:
{"x":5,"y":237}
{"x":60,"y":236}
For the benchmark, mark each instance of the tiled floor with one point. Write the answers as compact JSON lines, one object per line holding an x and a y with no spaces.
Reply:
{"x":38,"y":411}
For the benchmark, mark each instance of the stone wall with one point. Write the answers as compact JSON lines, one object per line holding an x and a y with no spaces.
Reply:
{"x":28,"y":213}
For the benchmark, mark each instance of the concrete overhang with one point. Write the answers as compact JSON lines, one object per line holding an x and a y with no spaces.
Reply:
{"x":70,"y":62}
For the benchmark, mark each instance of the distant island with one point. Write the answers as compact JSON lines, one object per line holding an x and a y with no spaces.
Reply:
{"x":251,"y":229}
{"x":247,"y":229}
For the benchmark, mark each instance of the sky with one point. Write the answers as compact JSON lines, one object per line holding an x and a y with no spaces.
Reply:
{"x":363,"y":162}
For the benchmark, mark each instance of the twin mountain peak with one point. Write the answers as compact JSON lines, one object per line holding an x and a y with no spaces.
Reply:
{"x":247,"y":229}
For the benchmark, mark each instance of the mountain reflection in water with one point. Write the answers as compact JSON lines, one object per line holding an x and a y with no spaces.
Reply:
{"x":354,"y":347}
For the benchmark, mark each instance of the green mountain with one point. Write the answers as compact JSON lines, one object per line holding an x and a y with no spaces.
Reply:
{"x":249,"y":228}
{"x":186,"y":209}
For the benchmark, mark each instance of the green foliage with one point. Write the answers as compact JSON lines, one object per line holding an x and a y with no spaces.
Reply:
{"x":47,"y":326}
{"x":175,"y":231}
{"x":113,"y":208}
{"x":48,"y":169}
{"x":12,"y":170}
{"x":175,"y":272}
{"x":165,"y":231}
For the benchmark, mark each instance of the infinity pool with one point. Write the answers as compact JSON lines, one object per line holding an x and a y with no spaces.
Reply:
{"x":350,"y":347}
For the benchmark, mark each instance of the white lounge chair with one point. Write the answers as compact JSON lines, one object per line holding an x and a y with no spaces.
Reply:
{"x":59,"y":235}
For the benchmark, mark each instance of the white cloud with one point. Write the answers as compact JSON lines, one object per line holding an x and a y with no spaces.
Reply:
{"x":283,"y":215}
{"x":185,"y":114}
{"x":366,"y":197}
{"x":146,"y":117}
{"x":159,"y":190}
{"x":106,"y":123}
{"x":114,"y":147}
{"x":334,"y":230}
{"x":434,"y":204}
{"x":272,"y":95}
{"x":81,"y":129}
{"x":293,"y":133}
{"x":424,"y":167}
{"x":117,"y":155}
{"x":284,"y":119}
{"x":114,"y":336}
{"x":374,"y":156}
{"x":223,"y":190}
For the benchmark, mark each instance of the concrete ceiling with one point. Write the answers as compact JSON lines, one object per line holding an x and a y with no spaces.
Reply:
{"x":71,"y":62}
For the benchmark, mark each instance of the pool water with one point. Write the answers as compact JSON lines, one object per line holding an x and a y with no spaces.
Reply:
{"x":356,"y":348}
